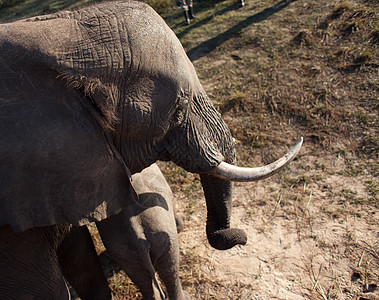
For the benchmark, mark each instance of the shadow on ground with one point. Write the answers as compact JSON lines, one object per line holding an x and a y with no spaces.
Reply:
{"x":206,"y":20}
{"x":208,"y":46}
{"x":26,"y":8}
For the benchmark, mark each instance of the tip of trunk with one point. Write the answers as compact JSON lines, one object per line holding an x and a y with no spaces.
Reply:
{"x":225,"y":239}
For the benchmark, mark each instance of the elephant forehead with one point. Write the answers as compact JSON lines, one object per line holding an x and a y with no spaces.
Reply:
{"x":154,"y":47}
{"x":145,"y":38}
{"x":109,"y":39}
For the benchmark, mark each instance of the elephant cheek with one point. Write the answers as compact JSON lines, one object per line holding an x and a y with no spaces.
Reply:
{"x":190,"y":151}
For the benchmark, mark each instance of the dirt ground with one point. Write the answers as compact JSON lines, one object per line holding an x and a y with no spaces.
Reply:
{"x":306,"y":249}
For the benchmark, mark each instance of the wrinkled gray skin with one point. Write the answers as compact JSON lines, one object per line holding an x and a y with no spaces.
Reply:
{"x":142,"y":239}
{"x":87,"y":99}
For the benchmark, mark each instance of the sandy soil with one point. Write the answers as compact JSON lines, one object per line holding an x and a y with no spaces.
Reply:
{"x":309,"y":248}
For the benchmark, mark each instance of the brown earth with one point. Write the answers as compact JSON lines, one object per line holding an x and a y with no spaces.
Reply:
{"x":306,"y":247}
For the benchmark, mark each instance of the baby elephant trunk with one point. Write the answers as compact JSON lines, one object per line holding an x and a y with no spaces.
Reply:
{"x":218,"y":196}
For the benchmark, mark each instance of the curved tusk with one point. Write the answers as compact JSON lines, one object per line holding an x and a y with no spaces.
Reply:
{"x":234,"y":173}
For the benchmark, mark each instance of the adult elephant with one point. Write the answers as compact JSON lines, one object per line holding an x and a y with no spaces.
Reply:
{"x":88,"y":98}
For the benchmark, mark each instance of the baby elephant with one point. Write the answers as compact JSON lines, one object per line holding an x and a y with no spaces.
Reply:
{"x":142,"y":239}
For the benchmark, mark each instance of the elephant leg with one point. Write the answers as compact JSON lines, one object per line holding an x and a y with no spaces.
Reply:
{"x":179,"y":223}
{"x":124,"y":239}
{"x":167,"y":266}
{"x":29,"y":267}
{"x":81,"y":266}
{"x":141,"y":251}
{"x":141,"y":271}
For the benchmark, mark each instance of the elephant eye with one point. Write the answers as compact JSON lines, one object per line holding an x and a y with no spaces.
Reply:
{"x":179,"y":116}
{"x":180,"y":113}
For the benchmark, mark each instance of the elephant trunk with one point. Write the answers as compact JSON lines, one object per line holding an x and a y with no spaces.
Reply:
{"x":218,"y":196}
{"x":217,"y":186}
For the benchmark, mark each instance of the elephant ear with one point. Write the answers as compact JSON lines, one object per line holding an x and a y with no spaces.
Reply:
{"x":57,"y":162}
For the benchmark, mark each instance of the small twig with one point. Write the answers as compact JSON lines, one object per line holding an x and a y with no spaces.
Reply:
{"x":360,"y":260}
{"x":316,"y":285}
{"x":321,"y":292}
{"x":371,"y":250}
{"x":314,"y":276}
{"x":309,"y":200}
{"x":277,"y":204}
{"x":273,"y":213}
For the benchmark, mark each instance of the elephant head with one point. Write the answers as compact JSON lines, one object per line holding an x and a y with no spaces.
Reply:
{"x":93,"y":96}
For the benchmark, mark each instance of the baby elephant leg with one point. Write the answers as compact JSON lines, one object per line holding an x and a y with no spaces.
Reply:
{"x":81,"y":266}
{"x":125,"y":244}
{"x":167,"y":266}
{"x":144,"y":243}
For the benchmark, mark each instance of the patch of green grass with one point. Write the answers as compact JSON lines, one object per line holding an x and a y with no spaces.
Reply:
{"x":340,"y":9}
{"x":363,"y":117}
{"x":364,"y":57}
{"x":352,"y":196}
{"x":190,"y":207}
{"x":370,"y":146}
{"x":27,"y":8}
{"x":373,"y":190}
{"x":300,"y":180}
{"x":161,"y":6}
{"x":320,"y":165}
{"x":8,"y":3}
{"x":250,"y":211}
{"x":353,"y":168}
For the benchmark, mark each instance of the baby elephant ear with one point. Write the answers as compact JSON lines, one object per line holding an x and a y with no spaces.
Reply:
{"x":57,"y":164}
